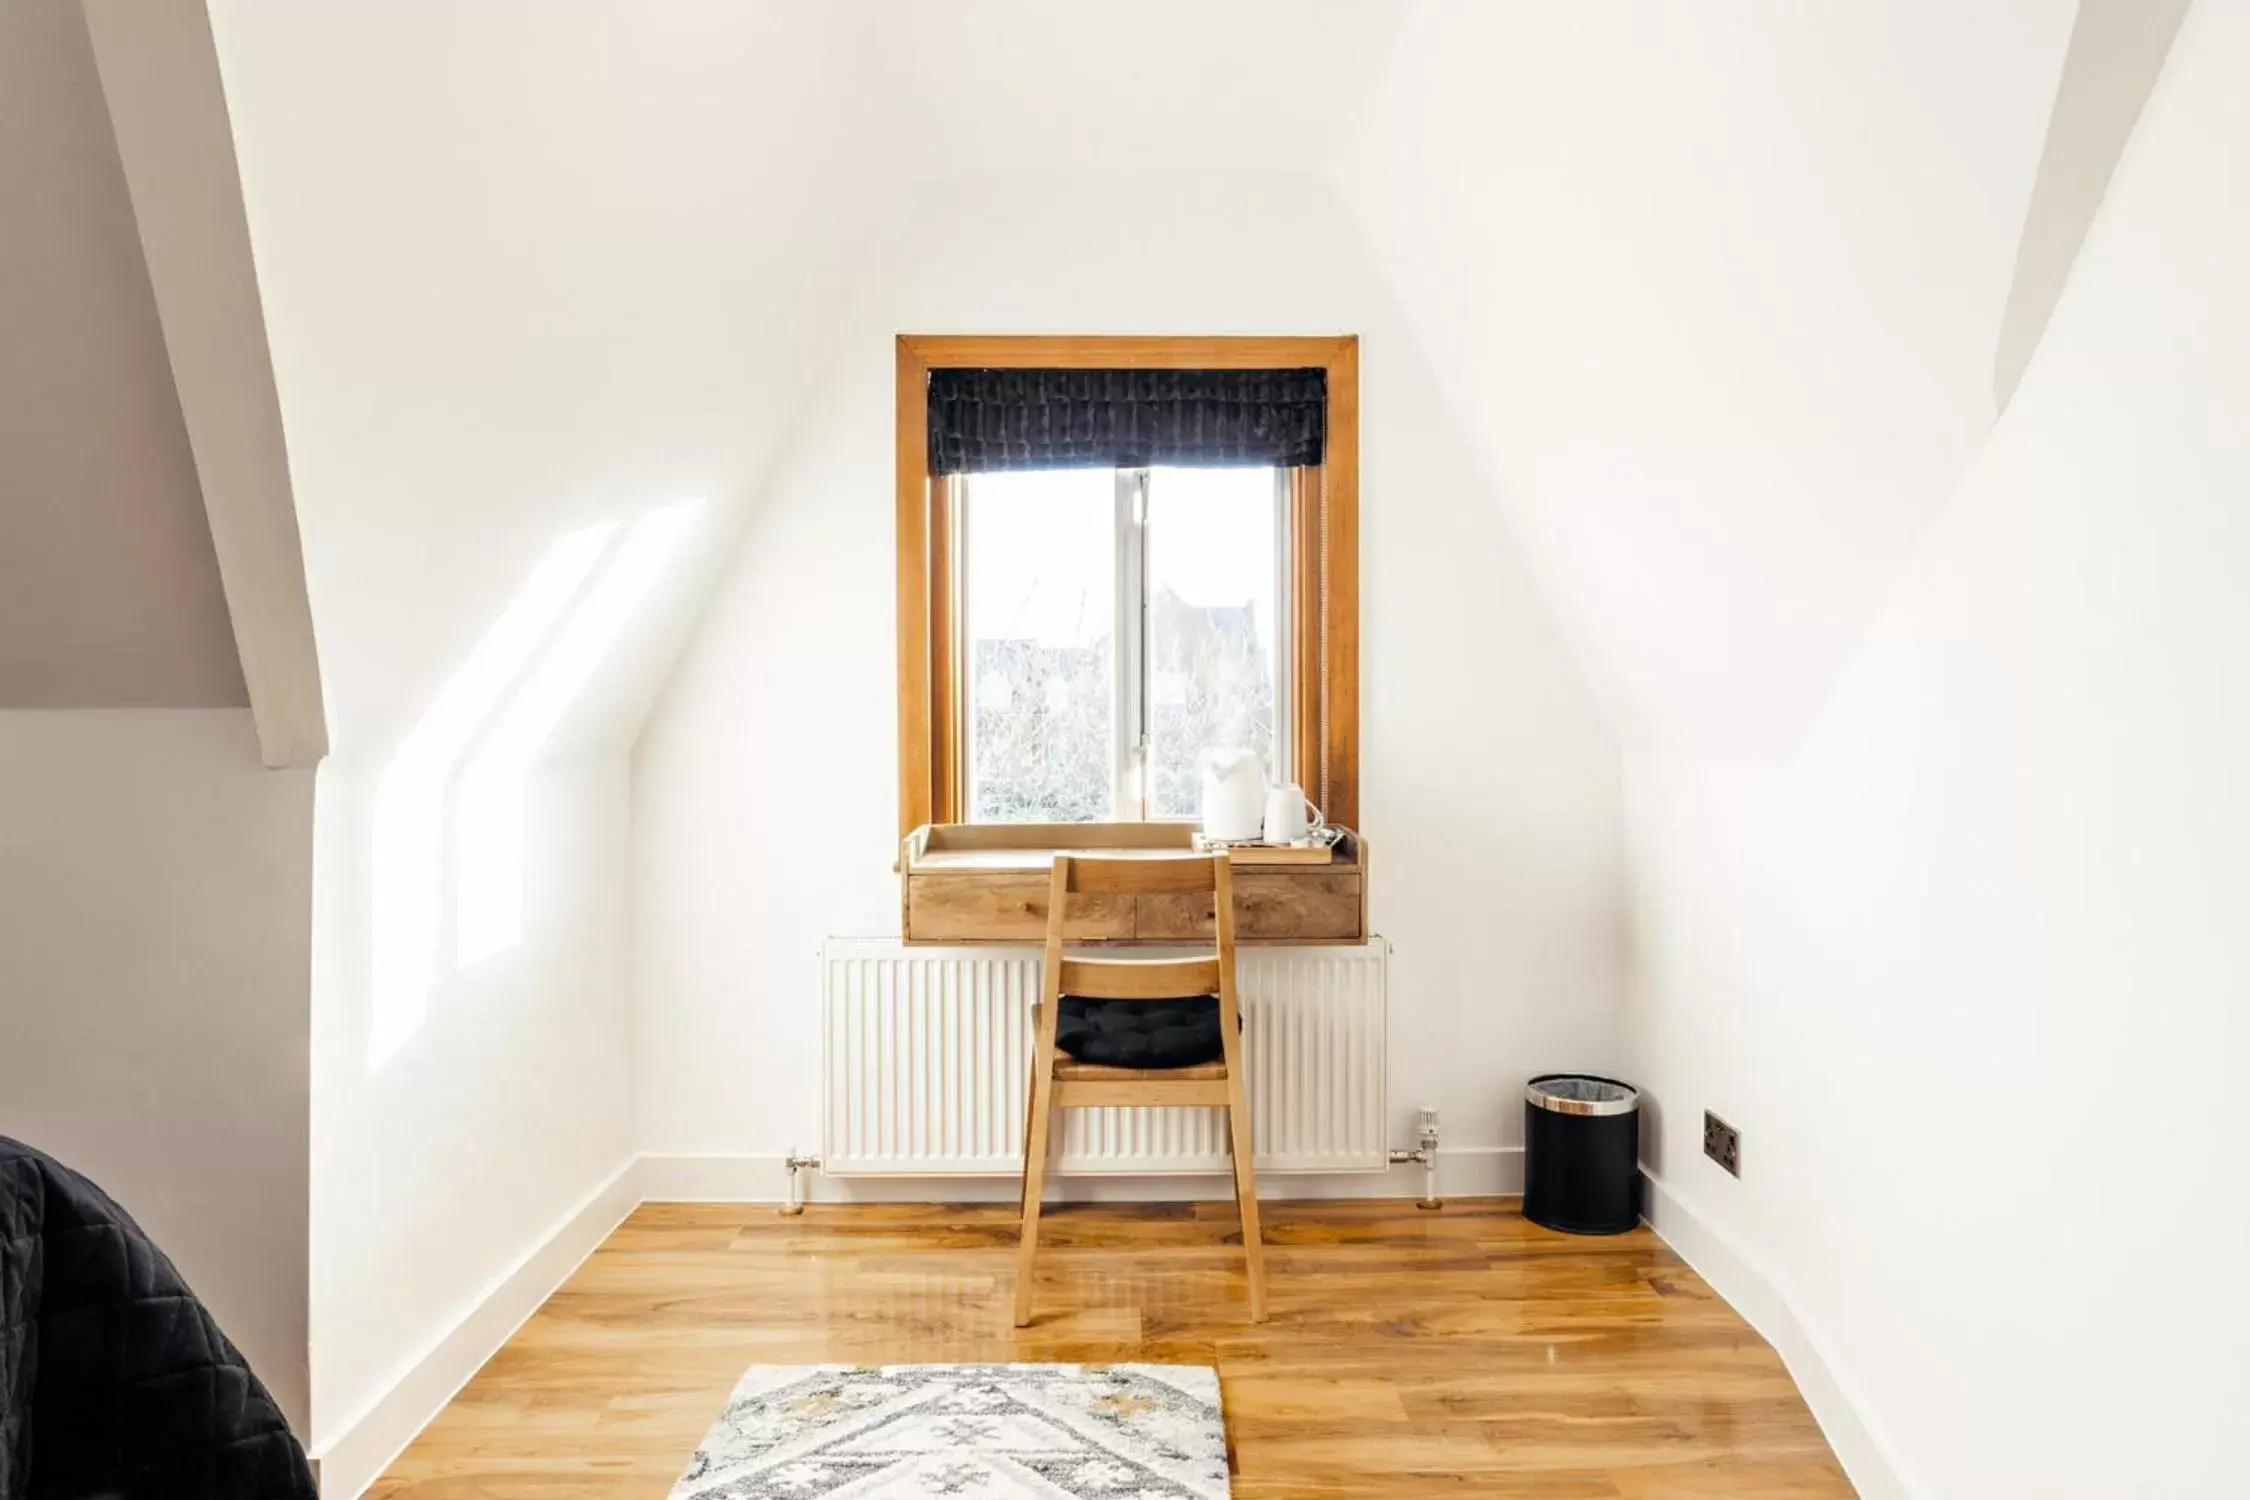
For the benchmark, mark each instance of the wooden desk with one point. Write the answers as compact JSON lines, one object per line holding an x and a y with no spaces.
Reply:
{"x":987,"y":883}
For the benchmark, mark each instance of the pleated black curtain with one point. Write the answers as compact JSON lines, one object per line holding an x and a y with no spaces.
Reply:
{"x":987,"y":420}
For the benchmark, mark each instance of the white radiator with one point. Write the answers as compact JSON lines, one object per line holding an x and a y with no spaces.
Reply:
{"x":928,"y":1051}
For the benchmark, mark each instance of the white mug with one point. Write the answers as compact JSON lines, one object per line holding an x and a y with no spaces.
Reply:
{"x":1285,"y":815}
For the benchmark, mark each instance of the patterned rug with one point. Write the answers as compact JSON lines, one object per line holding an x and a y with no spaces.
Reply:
{"x":991,"y":1432}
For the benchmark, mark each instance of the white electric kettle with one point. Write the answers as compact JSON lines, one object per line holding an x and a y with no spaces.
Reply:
{"x":1234,"y":796}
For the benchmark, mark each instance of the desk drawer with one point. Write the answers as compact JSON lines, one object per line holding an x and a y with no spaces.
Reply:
{"x":1005,"y":908}
{"x":1268,"y":908}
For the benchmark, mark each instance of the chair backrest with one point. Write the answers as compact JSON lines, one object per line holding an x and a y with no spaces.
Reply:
{"x":1092,"y":875}
{"x":1141,"y":978}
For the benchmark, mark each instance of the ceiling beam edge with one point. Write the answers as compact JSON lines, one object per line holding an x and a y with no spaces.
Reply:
{"x":2116,"y":54}
{"x":160,"y":79}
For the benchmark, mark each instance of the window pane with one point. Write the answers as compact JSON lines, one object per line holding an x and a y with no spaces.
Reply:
{"x":1038,"y":582}
{"x":1212,"y":662}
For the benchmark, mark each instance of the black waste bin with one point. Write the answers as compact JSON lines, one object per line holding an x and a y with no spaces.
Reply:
{"x":1581,"y":1153}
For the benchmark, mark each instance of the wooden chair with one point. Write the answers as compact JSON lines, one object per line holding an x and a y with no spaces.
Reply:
{"x":1063,"y":1083}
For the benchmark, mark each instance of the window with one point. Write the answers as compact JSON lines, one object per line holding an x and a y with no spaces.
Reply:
{"x":1116,"y":625}
{"x":1073,"y":640}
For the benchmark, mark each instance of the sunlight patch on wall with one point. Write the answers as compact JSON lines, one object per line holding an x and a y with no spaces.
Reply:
{"x":407,"y":860}
{"x":492,"y":864}
{"x":492,"y":716}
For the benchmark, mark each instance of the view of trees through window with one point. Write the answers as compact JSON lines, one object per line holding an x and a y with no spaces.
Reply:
{"x":1116,"y":629}
{"x":1211,"y":663}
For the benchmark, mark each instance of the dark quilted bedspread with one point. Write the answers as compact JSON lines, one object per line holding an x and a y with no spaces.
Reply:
{"x":114,"y":1382}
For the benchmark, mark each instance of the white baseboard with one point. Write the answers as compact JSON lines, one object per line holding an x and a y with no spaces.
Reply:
{"x":363,"y":1447}
{"x":1866,"y":1451}
{"x":1463,"y":1172}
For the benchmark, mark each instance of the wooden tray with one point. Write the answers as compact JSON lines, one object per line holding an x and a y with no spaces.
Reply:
{"x":1278,"y":854}
{"x":987,"y":883}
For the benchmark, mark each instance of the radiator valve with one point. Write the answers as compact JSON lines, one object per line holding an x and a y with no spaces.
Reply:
{"x":1425,"y":1153}
{"x":797,"y":1166}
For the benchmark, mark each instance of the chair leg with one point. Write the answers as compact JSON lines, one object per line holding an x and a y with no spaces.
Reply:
{"x":1034,"y":1184}
{"x":1030,"y":1116}
{"x":1246,"y":1198}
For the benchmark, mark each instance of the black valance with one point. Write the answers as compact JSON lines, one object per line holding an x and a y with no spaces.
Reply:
{"x":983,"y":420}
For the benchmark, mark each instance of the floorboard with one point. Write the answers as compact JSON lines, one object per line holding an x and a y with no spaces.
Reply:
{"x":1461,"y":1352}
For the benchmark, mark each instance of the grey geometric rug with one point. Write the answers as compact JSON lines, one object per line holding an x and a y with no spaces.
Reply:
{"x":989,"y":1432}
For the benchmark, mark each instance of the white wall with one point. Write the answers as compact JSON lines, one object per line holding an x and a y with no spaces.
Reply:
{"x":764,"y":787}
{"x":1967,"y":966}
{"x":440,"y":1163}
{"x":155,"y":904}
{"x":527,"y":269}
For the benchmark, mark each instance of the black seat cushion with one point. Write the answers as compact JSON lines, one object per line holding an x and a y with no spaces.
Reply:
{"x":1141,"y":1033}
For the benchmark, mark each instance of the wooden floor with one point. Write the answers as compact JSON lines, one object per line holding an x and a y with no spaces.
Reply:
{"x":1461,"y":1352}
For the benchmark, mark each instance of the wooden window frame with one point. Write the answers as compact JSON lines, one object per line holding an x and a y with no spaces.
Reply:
{"x":1324,"y":507}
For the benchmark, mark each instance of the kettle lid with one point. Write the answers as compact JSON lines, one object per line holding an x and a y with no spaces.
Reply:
{"x":1231,"y":761}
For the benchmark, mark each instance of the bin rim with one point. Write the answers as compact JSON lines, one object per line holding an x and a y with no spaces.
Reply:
{"x":1628,"y":1099}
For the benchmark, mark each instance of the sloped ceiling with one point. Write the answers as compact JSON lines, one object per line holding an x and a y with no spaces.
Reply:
{"x":1023,"y":85}
{"x":1716,"y":289}
{"x":109,"y":589}
{"x":529,"y":268}
{"x":2117,"y":50}
{"x":533,"y":266}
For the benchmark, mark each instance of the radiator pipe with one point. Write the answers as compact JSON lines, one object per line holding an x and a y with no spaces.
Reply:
{"x":796,"y":1166}
{"x":1424,"y":1152}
